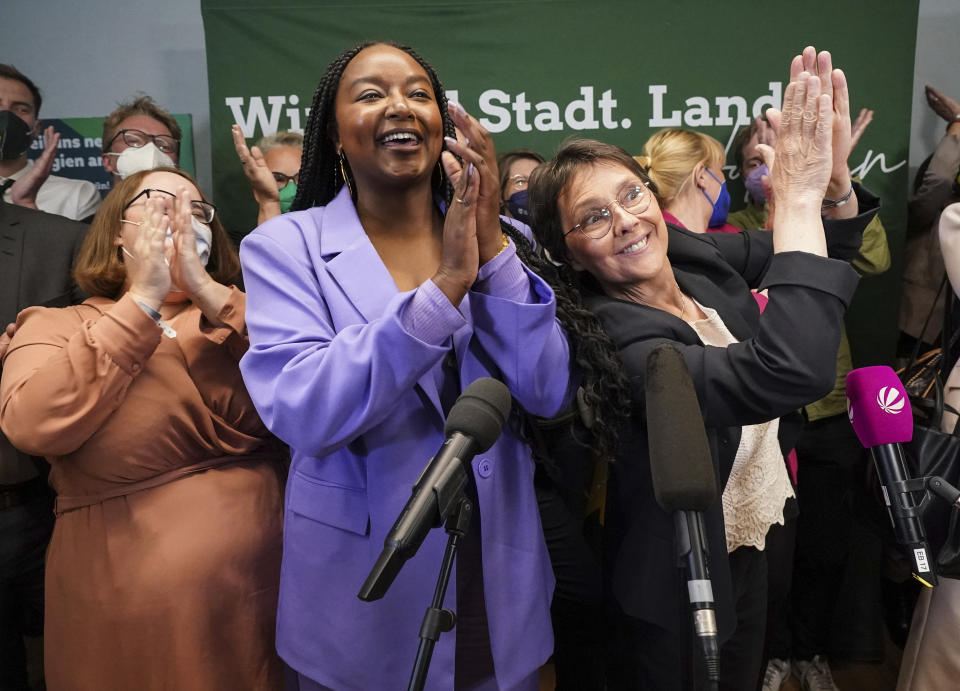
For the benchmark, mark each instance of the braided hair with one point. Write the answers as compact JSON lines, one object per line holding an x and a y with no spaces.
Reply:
{"x":320,"y":175}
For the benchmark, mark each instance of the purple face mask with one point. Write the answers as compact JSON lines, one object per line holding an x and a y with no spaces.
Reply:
{"x":754,"y":184}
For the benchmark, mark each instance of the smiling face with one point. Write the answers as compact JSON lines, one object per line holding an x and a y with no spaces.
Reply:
{"x":389,"y":125}
{"x":634,"y":252}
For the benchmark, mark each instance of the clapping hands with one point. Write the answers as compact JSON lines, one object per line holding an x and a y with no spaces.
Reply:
{"x":24,"y":190}
{"x":471,"y":230}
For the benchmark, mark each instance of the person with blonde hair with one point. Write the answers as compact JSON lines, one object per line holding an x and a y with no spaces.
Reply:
{"x":687,"y":169}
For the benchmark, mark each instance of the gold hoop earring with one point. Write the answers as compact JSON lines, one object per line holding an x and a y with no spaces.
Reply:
{"x":343,"y":173}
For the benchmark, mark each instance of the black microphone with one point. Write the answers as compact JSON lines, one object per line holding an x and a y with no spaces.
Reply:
{"x":473,"y":425}
{"x":684,"y":482}
{"x":880,"y":413}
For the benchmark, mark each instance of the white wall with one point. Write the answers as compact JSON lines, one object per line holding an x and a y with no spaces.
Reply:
{"x":87,"y":56}
{"x":937,"y":64}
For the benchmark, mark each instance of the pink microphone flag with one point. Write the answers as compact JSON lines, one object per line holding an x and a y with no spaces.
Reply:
{"x":878,"y":407}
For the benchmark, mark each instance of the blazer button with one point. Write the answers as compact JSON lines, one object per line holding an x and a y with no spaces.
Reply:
{"x":485,"y":468}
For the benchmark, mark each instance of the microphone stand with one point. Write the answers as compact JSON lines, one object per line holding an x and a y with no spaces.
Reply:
{"x":437,"y":620}
{"x":689,"y":528}
{"x":935,"y":485}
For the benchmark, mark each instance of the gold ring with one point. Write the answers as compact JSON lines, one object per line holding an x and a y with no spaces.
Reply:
{"x":465,"y":202}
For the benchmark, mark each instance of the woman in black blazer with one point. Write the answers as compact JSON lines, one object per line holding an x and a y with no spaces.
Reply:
{"x":652,"y":283}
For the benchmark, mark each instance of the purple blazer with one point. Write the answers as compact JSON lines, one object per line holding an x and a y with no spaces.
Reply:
{"x":342,"y":367}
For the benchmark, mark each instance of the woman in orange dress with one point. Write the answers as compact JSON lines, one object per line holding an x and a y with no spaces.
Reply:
{"x":163,"y":568}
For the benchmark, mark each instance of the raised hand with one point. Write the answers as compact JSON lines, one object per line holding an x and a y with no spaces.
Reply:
{"x":766,"y":134}
{"x":477,"y":148}
{"x":941,"y":104}
{"x":148,"y":261}
{"x":460,"y":254}
{"x":804,"y":155}
{"x":24,"y":190}
{"x":859,"y":127}
{"x":258,"y":173}
{"x":803,"y":164}
{"x":833,"y":83}
{"x":186,"y":271}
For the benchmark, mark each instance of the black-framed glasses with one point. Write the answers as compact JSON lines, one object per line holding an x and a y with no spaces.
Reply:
{"x":596,"y":223}
{"x":137,"y":139}
{"x":283,"y":179}
{"x":201,"y":210}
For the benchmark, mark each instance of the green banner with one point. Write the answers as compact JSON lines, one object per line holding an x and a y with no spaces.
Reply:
{"x":536,"y":72}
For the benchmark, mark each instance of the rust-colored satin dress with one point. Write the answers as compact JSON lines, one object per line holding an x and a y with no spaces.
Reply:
{"x":163,"y":568}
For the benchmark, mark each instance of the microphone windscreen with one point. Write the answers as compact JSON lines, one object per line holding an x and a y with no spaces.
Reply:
{"x":680,"y":461}
{"x":878,"y":407}
{"x":480,"y":412}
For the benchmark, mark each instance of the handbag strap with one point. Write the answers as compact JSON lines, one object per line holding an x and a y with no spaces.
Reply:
{"x":926,"y":322}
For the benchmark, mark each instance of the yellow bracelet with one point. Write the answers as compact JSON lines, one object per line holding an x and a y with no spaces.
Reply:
{"x":504,"y":243}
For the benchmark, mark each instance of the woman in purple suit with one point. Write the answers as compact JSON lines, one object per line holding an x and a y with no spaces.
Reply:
{"x":391,"y":286}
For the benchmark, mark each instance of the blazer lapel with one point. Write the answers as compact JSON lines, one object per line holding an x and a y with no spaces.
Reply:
{"x":706,"y":293}
{"x":352,"y":260}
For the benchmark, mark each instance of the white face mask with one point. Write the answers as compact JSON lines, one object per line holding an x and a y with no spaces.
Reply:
{"x":201,"y":231}
{"x":147,"y":157}
{"x":204,"y":236}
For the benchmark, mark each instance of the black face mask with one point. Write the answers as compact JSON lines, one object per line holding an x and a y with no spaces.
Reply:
{"x":519,"y":207}
{"x":15,"y":136}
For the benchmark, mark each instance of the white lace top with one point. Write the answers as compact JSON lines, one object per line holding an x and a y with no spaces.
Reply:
{"x":758,"y":485}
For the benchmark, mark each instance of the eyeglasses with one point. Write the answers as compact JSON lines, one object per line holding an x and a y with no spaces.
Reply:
{"x":202,"y":211}
{"x":137,"y":139}
{"x":595,"y":223}
{"x":517,"y":182}
{"x":283,"y":179}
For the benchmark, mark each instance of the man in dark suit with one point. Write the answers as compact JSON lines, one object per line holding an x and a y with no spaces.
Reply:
{"x":37,"y":252}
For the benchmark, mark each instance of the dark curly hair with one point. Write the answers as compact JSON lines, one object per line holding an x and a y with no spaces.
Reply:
{"x":606,"y":388}
{"x":320,"y":177}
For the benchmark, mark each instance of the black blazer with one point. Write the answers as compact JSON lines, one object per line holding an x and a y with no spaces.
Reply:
{"x":785,"y":359}
{"x":37,"y":252}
